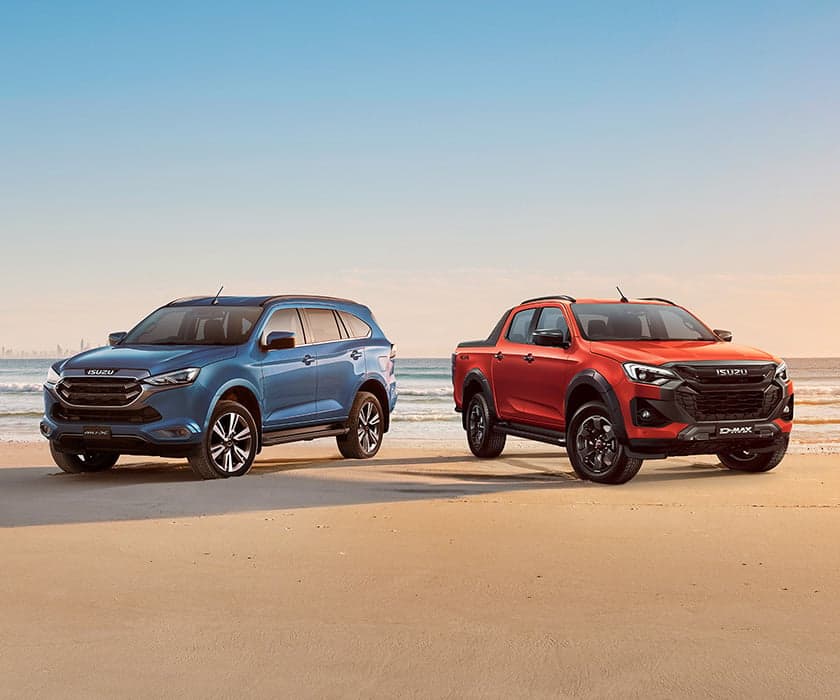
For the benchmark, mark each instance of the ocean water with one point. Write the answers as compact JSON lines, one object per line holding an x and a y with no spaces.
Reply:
{"x":424,"y":410}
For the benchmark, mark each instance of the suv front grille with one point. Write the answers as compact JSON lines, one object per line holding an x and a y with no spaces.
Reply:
{"x":105,"y":415}
{"x":84,"y":391}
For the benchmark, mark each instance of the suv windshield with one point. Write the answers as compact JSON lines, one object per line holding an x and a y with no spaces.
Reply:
{"x":638,"y":322}
{"x":195,"y":325}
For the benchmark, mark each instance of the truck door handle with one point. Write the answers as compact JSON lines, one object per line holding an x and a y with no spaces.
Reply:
{"x":528,"y":358}
{"x":307,"y":359}
{"x":499,"y":355}
{"x":356,"y":354}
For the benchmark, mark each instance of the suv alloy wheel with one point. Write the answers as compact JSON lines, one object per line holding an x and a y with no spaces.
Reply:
{"x":230,"y":445}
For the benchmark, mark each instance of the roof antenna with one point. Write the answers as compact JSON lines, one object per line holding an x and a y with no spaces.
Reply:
{"x":216,"y":298}
{"x":624,"y":299}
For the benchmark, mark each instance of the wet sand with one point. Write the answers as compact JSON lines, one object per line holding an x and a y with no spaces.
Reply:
{"x":418,"y":574}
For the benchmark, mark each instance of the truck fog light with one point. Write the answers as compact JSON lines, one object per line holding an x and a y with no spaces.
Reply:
{"x":645,"y":415}
{"x":787,"y":411}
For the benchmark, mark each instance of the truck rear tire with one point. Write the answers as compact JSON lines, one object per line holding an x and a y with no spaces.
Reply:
{"x":92,"y":461}
{"x":484,"y":442}
{"x":746,"y":461}
{"x":594,"y":449}
{"x":230,"y":445}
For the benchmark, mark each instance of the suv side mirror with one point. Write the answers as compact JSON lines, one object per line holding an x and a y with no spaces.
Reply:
{"x":116,"y":338}
{"x":725,"y":336}
{"x":279,"y":340}
{"x":552,"y":338}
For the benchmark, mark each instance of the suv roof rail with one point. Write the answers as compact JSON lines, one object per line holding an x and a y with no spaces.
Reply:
{"x":305,"y":297}
{"x":564,"y":297}
{"x":664,"y":301}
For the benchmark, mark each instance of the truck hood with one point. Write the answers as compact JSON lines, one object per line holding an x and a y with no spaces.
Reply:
{"x":153,"y":358}
{"x":660,"y":352}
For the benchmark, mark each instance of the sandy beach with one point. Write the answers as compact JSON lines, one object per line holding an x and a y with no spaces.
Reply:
{"x":418,"y":574}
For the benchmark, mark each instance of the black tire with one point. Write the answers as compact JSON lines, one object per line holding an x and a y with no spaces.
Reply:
{"x":230,"y":445}
{"x":594,"y":449}
{"x":366,"y":426}
{"x":746,"y":461}
{"x":92,"y":461}
{"x":484,"y":442}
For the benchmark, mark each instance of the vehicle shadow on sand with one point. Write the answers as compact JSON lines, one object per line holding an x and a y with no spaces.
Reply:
{"x":153,"y":490}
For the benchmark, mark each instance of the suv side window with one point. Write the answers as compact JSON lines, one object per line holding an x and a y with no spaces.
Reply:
{"x":323,"y":325}
{"x":356,"y":328}
{"x":520,"y":327}
{"x":285,"y":320}
{"x":552,"y":319}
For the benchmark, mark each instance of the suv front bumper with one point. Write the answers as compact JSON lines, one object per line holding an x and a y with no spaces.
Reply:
{"x":157,"y":425}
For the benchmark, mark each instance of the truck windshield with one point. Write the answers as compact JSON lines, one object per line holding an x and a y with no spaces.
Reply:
{"x":638,"y":322}
{"x":195,"y":325}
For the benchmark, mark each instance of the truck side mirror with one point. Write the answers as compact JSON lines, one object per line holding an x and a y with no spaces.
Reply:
{"x":552,"y":338}
{"x":279,"y":340}
{"x":725,"y":336}
{"x":116,"y":338}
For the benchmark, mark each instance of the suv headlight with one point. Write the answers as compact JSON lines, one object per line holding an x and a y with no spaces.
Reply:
{"x":53,"y":377}
{"x":180,"y":376}
{"x":782,"y":372}
{"x":648,"y":374}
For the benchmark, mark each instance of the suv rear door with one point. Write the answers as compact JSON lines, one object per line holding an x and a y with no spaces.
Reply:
{"x":340,"y":359}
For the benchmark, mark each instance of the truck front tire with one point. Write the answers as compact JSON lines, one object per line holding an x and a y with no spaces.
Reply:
{"x":594,"y":449}
{"x":746,"y":461}
{"x":93,"y":461}
{"x":484,"y":442}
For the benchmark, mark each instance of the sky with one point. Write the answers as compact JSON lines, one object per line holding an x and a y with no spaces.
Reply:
{"x":438,"y":161}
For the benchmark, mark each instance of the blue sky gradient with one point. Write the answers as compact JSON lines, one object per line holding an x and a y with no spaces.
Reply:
{"x":322,"y":145}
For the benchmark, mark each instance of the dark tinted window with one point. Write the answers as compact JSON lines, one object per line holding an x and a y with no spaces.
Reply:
{"x":520,"y":327}
{"x":323,"y":325}
{"x":195,"y":325}
{"x":552,"y":319}
{"x":638,"y":322}
{"x":285,"y":320}
{"x":354,"y":325}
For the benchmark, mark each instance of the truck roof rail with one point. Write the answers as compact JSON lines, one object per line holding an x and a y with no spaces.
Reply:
{"x":564,"y":297}
{"x":664,"y":301}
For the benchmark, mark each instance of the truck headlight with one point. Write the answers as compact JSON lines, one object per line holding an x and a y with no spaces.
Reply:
{"x":180,"y":376}
{"x":53,"y":377}
{"x":782,"y":372}
{"x":648,"y":374}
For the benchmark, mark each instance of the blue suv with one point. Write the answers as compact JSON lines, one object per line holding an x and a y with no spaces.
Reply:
{"x":216,"y":379}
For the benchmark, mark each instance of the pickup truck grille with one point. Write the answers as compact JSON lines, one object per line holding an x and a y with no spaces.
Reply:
{"x":84,"y":391}
{"x":730,"y":405}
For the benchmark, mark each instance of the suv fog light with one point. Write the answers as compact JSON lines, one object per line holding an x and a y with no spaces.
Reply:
{"x":46,"y":431}
{"x":173,"y":432}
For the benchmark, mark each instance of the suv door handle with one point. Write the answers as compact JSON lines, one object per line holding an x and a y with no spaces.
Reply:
{"x":499,"y":355}
{"x":307,"y":359}
{"x":528,"y":358}
{"x":356,"y":354}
